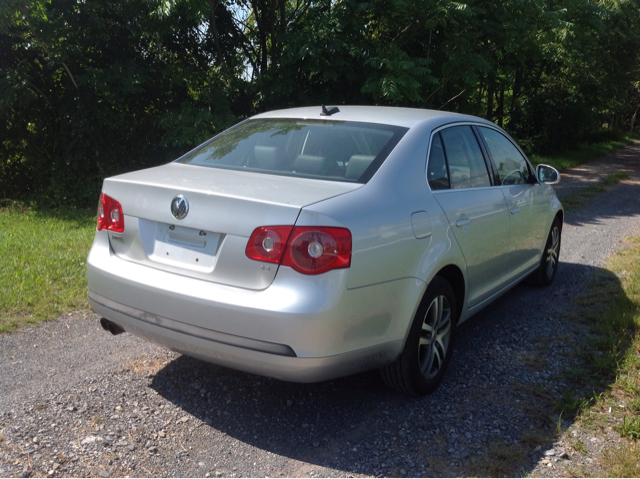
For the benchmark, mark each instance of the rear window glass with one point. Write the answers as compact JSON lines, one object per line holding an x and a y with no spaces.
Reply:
{"x":322,"y":149}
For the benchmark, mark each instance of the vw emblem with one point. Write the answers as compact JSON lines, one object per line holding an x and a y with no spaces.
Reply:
{"x":179,"y":207}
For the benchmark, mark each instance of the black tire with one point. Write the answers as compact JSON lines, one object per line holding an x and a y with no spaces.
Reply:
{"x":543,"y":276}
{"x":423,"y":362}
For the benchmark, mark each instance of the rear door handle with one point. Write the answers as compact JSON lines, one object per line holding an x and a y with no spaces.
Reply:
{"x":515,"y":210}
{"x":463,"y":222}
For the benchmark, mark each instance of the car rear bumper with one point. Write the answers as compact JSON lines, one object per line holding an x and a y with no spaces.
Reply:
{"x":257,"y":357}
{"x":301,"y":328}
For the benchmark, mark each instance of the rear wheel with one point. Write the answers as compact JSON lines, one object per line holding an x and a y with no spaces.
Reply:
{"x":427,"y":351}
{"x":543,"y":276}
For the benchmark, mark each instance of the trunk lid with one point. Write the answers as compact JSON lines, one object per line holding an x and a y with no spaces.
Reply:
{"x":225,"y":206}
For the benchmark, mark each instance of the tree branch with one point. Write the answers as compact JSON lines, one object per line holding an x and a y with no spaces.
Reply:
{"x":451,"y":99}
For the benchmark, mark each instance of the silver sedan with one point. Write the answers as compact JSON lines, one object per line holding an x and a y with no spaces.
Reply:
{"x":312,"y":243}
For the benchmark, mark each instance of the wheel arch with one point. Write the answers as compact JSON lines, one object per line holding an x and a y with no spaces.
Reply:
{"x":454,"y":276}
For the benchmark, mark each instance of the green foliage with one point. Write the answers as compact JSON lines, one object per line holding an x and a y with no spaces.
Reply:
{"x":99,"y":87}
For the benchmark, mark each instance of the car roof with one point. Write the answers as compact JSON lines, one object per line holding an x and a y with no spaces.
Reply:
{"x":404,"y":117}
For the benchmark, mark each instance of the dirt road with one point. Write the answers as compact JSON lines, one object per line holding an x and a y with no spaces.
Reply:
{"x":76,"y":401}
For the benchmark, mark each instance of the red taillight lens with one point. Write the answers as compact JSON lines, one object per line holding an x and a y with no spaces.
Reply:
{"x":314,"y":250}
{"x":308,"y":249}
{"x":110,"y":215}
{"x":267,"y":243}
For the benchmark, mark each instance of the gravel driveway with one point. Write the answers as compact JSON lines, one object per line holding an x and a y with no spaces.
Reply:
{"x":76,"y":401}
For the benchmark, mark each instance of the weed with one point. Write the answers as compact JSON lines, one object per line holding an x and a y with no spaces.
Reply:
{"x":535,"y":437}
{"x":579,"y":471}
{"x":634,"y":405}
{"x":570,"y":403}
{"x":2,"y":438}
{"x":578,"y":446}
{"x":630,"y":427}
{"x":559,"y":429}
{"x":499,"y":461}
{"x":622,"y":462}
{"x":573,"y":372}
{"x":604,"y":364}
{"x":40,"y":406}
{"x":629,"y":384}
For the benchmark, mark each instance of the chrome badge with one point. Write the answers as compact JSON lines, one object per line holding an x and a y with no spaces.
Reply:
{"x":179,"y":207}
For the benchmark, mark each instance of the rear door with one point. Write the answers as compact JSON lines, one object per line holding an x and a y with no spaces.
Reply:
{"x":476,"y":210}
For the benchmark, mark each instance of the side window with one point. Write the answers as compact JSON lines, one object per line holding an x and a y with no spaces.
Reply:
{"x":467,"y":168}
{"x":511,"y":165}
{"x":437,"y":174}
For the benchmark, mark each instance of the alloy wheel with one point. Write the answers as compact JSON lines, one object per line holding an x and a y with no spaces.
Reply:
{"x":553,"y":249}
{"x":434,"y":337}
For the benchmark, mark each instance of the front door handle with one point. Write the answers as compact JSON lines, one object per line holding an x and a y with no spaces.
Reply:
{"x":463,"y":222}
{"x":515,"y":210}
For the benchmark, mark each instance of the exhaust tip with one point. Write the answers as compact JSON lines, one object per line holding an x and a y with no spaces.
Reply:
{"x":111,"y":327}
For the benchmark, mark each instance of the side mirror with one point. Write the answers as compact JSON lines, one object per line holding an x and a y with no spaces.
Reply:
{"x":547,"y":174}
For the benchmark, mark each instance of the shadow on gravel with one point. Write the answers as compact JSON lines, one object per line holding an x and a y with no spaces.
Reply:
{"x":498,"y":402}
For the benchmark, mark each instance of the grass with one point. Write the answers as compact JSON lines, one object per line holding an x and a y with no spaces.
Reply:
{"x":42,"y":263}
{"x":570,"y":403}
{"x":630,"y":428}
{"x":500,"y":460}
{"x":622,"y":462}
{"x":579,"y":446}
{"x":583,"y":153}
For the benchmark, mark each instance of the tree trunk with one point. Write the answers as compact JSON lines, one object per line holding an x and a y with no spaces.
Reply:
{"x":633,"y":118}
{"x":514,"y":111}
{"x":259,"y":8}
{"x":213,"y":4}
{"x":500,"y":109}
{"x":491,"y":89}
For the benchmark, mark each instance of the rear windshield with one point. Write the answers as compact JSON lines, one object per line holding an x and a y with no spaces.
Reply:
{"x":323,"y":149}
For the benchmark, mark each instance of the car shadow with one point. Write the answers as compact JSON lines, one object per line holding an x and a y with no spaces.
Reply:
{"x":503,"y":382}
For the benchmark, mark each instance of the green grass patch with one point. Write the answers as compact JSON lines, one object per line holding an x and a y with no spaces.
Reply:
{"x":583,"y":153}
{"x":630,"y":427}
{"x":42,"y":263}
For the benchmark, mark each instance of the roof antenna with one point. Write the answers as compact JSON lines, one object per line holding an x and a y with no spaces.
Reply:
{"x":330,"y":111}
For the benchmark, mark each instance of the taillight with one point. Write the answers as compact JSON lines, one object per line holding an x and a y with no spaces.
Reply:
{"x":110,"y":215}
{"x":306,"y":249}
{"x":267,"y":243}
